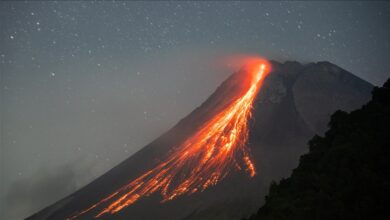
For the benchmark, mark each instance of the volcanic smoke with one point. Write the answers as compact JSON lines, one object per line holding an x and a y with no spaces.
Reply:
{"x":202,"y":160}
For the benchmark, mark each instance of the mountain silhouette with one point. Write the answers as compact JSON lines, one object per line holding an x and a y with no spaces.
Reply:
{"x":345,"y":175}
{"x":293,"y":104}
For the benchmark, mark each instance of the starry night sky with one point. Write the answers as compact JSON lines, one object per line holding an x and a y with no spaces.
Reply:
{"x":86,"y":84}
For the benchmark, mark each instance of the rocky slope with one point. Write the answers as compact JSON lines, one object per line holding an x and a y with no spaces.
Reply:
{"x":294,"y":103}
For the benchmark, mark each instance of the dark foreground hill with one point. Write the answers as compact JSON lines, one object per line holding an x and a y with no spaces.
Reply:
{"x":346,"y":174}
{"x":293,"y":105}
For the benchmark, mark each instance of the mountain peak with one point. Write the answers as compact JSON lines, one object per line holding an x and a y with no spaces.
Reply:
{"x":294,"y":103}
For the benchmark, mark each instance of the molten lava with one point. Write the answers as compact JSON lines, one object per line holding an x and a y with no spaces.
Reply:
{"x":202,"y":160}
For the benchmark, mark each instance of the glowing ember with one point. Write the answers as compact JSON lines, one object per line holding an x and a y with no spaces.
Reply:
{"x":201,"y":161}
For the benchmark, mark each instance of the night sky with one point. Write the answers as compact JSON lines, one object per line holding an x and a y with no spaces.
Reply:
{"x":86,"y":84}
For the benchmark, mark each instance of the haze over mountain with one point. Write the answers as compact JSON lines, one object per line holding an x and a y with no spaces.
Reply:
{"x":294,"y":103}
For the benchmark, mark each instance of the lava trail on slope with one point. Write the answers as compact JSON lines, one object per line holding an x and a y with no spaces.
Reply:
{"x":202,"y":160}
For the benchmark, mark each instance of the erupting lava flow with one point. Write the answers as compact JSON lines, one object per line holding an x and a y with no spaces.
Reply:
{"x":202,"y":160}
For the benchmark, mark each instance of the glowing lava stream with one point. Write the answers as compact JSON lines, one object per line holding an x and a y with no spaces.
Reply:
{"x":200,"y":161}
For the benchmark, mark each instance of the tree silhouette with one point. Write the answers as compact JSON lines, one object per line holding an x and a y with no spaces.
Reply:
{"x":345,"y":175}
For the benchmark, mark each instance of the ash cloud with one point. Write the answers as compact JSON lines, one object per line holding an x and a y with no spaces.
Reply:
{"x":28,"y":195}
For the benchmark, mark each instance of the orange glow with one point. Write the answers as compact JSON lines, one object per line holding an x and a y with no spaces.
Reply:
{"x":202,"y":160}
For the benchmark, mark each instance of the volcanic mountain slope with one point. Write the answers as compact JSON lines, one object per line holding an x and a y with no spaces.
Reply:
{"x":294,"y":103}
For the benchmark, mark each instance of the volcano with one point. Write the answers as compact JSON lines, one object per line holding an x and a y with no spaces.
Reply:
{"x":218,"y":162}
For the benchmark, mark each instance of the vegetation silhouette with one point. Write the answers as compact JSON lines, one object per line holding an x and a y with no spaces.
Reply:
{"x":345,"y":174}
